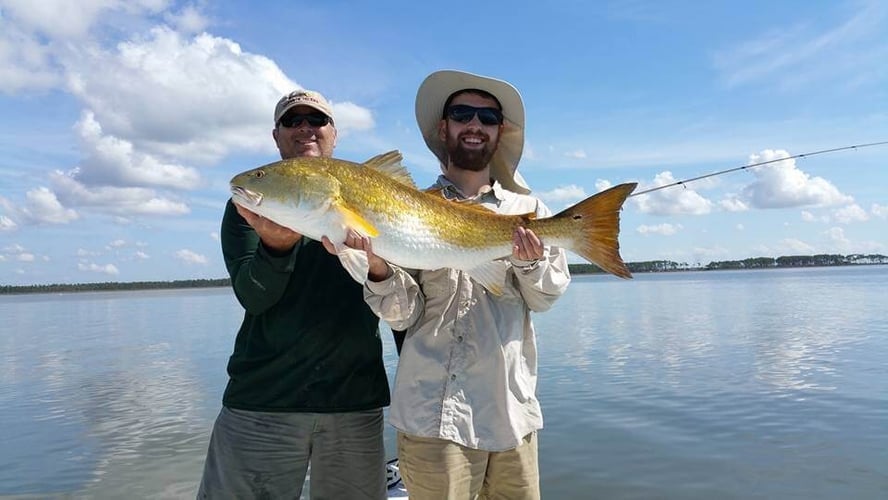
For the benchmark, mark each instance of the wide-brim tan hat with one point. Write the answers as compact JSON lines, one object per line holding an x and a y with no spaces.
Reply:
{"x":430,"y":99}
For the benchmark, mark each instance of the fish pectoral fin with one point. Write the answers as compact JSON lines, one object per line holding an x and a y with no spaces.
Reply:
{"x":355,"y":221}
{"x":354,"y":261}
{"x":490,"y":275}
{"x":390,"y":164}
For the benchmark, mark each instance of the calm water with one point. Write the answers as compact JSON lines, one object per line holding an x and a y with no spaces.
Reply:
{"x":759,"y":384}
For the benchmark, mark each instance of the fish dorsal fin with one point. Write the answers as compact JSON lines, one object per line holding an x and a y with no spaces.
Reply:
{"x":390,"y":164}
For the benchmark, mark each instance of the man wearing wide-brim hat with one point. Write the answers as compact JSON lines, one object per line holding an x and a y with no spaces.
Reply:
{"x":464,"y":401}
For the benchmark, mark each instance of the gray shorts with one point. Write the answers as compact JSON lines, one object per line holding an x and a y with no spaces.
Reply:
{"x":266,"y":455}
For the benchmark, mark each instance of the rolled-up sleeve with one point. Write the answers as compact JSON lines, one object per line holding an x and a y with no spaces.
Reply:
{"x":542,"y":282}
{"x":397,"y":299}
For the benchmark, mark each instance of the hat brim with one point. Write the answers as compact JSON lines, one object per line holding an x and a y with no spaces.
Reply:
{"x":430,"y":99}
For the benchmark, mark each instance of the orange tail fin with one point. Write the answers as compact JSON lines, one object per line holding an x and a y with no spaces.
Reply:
{"x":596,"y":221}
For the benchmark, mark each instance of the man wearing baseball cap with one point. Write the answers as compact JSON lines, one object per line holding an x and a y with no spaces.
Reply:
{"x":464,"y":401}
{"x":306,"y":379}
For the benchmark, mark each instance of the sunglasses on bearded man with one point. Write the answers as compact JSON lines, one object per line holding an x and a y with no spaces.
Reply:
{"x":463,"y":113}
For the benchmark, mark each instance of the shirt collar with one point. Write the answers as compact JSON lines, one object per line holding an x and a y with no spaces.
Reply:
{"x":493,"y":193}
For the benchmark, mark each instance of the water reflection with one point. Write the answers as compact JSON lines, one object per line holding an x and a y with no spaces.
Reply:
{"x":729,"y":385}
{"x":692,"y":385}
{"x":104,"y":402}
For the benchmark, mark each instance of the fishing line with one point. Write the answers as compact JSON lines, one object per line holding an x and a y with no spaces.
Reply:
{"x":802,"y":155}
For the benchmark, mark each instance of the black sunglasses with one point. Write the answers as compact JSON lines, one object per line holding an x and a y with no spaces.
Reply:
{"x":463,"y":113}
{"x":317,"y":119}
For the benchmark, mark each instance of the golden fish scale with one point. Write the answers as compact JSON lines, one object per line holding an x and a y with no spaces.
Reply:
{"x":367,"y":191}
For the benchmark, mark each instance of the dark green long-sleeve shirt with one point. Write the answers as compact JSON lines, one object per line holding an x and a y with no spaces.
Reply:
{"x":308,"y":342}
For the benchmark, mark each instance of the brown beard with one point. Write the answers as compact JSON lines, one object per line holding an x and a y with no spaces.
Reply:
{"x":474,"y":160}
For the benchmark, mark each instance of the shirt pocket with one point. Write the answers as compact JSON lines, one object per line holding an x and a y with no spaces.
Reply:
{"x":438,"y":283}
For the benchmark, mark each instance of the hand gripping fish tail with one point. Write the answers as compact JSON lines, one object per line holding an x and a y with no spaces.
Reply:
{"x":594,"y":226}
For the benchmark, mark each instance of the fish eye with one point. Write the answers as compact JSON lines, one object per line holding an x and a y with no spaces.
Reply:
{"x":260,"y":174}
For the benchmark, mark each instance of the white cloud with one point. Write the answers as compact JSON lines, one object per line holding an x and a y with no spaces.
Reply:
{"x":810,"y":217}
{"x":25,"y":257}
{"x":578,"y":154}
{"x":740,"y":227}
{"x":194,"y":98}
{"x":115,"y":200}
{"x":670,"y":201}
{"x":733,"y":204}
{"x":25,"y":63}
{"x":114,"y":161}
{"x":142,"y":255}
{"x":7,"y":224}
{"x":34,"y":36}
{"x":663,"y":229}
{"x":793,"y":55}
{"x":109,"y":269}
{"x":781,"y":184}
{"x":189,"y":20}
{"x":851,"y":213}
{"x":350,"y":117}
{"x":117,"y":244}
{"x":837,"y":238}
{"x":42,"y":207}
{"x":563,"y":195}
{"x":62,"y":19}
{"x":156,"y":105}
{"x":704,"y":254}
{"x":840,"y":243}
{"x":880,"y":211}
{"x":602,"y":184}
{"x":214,"y":236}
{"x":190,"y":257}
{"x":794,"y":246}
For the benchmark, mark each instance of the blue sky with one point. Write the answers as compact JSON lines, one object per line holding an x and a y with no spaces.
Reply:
{"x":122,"y":122}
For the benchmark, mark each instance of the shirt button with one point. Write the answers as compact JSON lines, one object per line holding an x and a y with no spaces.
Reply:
{"x":453,"y":377}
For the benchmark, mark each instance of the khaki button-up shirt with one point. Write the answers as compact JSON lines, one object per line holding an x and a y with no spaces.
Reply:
{"x":468,"y":367}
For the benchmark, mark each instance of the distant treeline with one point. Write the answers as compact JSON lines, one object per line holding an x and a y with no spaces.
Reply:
{"x":656,"y":266}
{"x":651,"y":266}
{"x":113,"y":286}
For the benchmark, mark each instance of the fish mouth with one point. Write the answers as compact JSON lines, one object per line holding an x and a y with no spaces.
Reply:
{"x":246,"y":196}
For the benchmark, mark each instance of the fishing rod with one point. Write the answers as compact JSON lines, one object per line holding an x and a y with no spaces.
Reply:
{"x":720,"y":172}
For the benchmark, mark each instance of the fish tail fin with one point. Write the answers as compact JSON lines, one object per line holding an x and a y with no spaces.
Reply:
{"x":596,"y":223}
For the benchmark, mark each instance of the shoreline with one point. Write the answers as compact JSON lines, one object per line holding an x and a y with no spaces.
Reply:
{"x":575,"y":269}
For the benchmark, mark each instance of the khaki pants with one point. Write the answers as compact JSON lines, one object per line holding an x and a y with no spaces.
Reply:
{"x":436,"y":469}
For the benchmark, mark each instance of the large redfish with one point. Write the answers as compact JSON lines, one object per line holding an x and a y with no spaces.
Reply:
{"x":417,"y":229}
